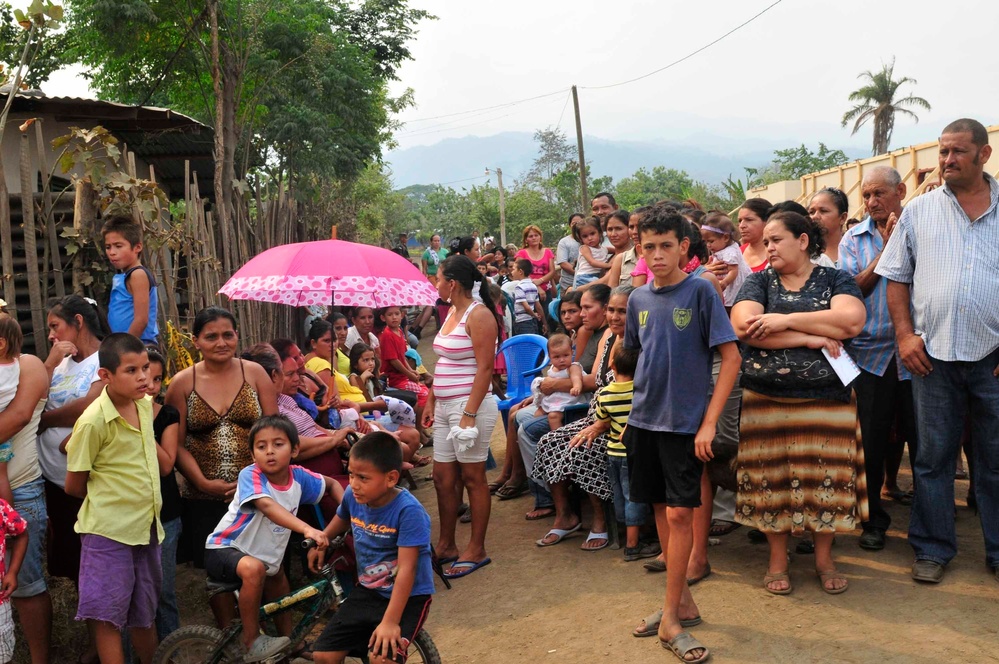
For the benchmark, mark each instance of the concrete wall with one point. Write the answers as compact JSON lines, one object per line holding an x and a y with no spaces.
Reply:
{"x":10,"y":151}
{"x":917,"y":165}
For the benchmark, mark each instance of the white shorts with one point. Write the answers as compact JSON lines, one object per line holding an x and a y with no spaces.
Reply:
{"x":447,"y":414}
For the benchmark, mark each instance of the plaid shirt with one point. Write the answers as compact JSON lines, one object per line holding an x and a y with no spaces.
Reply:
{"x":953,"y":266}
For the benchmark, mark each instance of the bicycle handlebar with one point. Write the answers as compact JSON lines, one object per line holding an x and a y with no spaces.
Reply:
{"x":335,"y":543}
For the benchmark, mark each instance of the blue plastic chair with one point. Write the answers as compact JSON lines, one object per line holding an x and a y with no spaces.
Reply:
{"x":522,"y":354}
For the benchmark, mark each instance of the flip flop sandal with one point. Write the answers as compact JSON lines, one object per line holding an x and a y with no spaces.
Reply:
{"x":720,"y":528}
{"x":595,"y":536}
{"x":419,"y":461}
{"x":655,"y":565}
{"x":549,"y":512}
{"x":697,"y":579}
{"x":466,"y":517}
{"x":464,"y":568}
{"x":779,"y":576}
{"x":652,"y":624}
{"x":463,"y":508}
{"x":508,"y":492}
{"x":495,"y":486}
{"x":559,"y":535}
{"x":683,"y":643}
{"x":834,"y":575}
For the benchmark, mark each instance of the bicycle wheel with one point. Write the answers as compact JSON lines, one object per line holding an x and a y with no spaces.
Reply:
{"x":421,"y":651}
{"x":195,"y":644}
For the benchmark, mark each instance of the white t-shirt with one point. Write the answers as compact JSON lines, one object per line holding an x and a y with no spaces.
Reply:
{"x":71,"y":380}
{"x":23,"y":467}
{"x":245,"y":528}
{"x":353,"y":336}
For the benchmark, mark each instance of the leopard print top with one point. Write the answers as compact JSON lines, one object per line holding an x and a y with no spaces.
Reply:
{"x":220,"y":443}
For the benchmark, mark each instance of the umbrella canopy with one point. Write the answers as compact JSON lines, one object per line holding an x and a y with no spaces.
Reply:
{"x":331,"y":272}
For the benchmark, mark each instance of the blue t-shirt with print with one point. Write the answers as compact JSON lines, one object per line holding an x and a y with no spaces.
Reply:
{"x":675,"y":327}
{"x":378,"y":534}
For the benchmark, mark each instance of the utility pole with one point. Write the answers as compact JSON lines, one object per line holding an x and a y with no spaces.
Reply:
{"x":579,"y":144}
{"x":502,"y":204}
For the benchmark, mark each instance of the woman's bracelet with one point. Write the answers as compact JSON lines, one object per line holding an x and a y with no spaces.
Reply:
{"x":468,"y":414}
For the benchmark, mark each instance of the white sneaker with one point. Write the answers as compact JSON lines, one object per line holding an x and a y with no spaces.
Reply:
{"x":266,"y":646}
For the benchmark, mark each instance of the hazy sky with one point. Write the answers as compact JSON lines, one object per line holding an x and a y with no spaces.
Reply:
{"x":785,"y":76}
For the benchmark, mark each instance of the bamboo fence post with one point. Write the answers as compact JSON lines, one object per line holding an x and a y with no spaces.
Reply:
{"x":36,"y":303}
{"x":168,"y":303}
{"x":6,"y":250}
{"x":84,"y":214}
{"x":47,"y":214}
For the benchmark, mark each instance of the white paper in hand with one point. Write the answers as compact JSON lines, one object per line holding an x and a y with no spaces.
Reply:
{"x":844,"y":366}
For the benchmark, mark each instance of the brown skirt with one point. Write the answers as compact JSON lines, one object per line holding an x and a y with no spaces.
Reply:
{"x":800,"y":465}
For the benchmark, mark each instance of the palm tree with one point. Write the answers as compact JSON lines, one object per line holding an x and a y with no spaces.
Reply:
{"x":876,"y":100}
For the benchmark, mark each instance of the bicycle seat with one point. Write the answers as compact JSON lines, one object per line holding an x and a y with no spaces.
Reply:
{"x":214,"y":587}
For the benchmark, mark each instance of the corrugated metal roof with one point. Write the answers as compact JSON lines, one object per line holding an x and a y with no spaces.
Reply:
{"x":159,"y":136}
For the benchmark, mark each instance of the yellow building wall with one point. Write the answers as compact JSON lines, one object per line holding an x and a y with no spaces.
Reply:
{"x":916,"y":164}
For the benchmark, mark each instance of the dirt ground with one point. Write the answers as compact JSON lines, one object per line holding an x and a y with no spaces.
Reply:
{"x":561,"y":604}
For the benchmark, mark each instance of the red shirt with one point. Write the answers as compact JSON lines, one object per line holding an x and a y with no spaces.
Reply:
{"x":756,"y":268}
{"x":393,"y":347}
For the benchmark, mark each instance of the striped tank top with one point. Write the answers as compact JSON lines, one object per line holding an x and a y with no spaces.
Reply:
{"x":456,"y":364}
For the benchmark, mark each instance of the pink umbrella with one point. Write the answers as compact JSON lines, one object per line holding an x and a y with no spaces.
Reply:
{"x":331,"y":271}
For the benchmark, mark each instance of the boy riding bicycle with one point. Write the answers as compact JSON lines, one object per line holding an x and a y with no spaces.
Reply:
{"x":391,"y":532}
{"x":250,"y":540}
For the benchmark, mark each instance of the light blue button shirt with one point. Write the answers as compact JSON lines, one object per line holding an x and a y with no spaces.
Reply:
{"x":952,"y":263}
{"x":874,"y":347}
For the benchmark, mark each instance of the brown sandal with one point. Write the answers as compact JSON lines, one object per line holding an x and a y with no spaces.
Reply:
{"x":779,"y":576}
{"x":832,"y":575}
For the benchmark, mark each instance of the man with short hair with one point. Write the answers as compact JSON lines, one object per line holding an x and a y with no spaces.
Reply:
{"x":943,"y":297}
{"x":402,"y":247}
{"x":884,"y":387}
{"x":603,"y":206}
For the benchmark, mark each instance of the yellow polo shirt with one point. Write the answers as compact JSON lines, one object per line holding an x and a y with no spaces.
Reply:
{"x":123,"y":492}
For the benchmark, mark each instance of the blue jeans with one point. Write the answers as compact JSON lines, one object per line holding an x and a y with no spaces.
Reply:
{"x":627,"y":512}
{"x":167,"y":616}
{"x":530,"y":431}
{"x":525,"y":327}
{"x":942,"y":398}
{"x":29,"y":501}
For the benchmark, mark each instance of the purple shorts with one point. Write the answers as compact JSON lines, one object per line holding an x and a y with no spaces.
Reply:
{"x":119,"y":584}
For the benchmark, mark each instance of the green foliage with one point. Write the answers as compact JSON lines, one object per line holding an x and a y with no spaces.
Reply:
{"x":876,"y":102}
{"x":309,"y":78}
{"x":645,"y":187}
{"x":48,"y":49}
{"x":793,"y":163}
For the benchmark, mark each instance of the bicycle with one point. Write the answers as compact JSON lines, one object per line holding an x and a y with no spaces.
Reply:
{"x":203,"y":644}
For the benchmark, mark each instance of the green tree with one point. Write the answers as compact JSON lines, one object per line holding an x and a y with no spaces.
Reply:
{"x":793,"y":163}
{"x":48,"y":49}
{"x":877,"y":102}
{"x":645,"y":187}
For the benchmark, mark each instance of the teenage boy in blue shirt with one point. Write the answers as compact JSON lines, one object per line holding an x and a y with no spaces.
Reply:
{"x":676,"y":322}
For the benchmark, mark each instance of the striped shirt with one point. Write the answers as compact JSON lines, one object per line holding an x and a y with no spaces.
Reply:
{"x":614,"y":404}
{"x":305,"y":425}
{"x":524,"y":291}
{"x":875,"y":346}
{"x":953,"y":266}
{"x":246,"y":529}
{"x":456,"y":366}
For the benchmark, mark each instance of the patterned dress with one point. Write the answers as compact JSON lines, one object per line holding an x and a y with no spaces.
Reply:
{"x":585,"y":466}
{"x":800,"y":465}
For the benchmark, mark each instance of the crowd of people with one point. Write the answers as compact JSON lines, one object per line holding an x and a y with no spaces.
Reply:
{"x":694,"y":385}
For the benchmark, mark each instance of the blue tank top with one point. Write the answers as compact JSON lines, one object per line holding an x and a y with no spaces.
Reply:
{"x":121,"y":308}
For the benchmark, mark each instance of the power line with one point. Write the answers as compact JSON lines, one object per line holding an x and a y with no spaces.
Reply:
{"x":461,"y":126}
{"x":564,"y":106}
{"x":427,"y":129}
{"x":478,"y":177}
{"x":487,"y":108}
{"x":689,"y":55}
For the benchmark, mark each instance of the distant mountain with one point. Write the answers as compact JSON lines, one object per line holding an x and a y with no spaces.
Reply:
{"x":462,"y":161}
